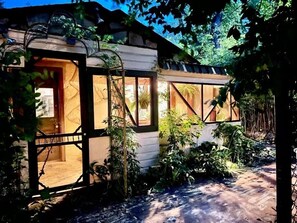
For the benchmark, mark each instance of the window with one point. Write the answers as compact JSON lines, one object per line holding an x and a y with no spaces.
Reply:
{"x":235,"y":110}
{"x":196,"y":99}
{"x":100,"y":102}
{"x":139,"y":100}
{"x":217,"y":113}
{"x":186,"y":98}
{"x":47,"y":99}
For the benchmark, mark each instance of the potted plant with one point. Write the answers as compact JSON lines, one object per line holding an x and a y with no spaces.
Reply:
{"x":188,"y":90}
{"x":75,"y":31}
{"x":72,"y":30}
{"x":144,"y":99}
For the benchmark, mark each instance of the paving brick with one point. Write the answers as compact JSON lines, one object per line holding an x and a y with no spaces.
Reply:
{"x":247,"y":199}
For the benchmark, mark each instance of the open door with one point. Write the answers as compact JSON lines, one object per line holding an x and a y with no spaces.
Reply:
{"x":59,"y":141}
{"x":51,"y":111}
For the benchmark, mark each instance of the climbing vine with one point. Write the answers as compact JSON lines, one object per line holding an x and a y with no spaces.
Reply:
{"x":18,"y":123}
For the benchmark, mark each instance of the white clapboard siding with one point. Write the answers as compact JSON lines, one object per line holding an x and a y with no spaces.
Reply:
{"x":206,"y":133}
{"x":137,"y":58}
{"x":197,"y":79}
{"x":53,"y":43}
{"x":148,"y":153}
{"x":134,"y":58}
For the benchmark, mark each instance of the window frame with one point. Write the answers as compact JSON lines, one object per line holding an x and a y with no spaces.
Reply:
{"x":203,"y":118}
{"x":128,"y":73}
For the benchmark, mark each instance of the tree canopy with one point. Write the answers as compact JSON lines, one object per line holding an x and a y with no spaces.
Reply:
{"x":265,"y":62}
{"x":263,"y":35}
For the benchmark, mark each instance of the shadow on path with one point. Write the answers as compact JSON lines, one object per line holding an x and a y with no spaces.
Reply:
{"x":249,"y":198}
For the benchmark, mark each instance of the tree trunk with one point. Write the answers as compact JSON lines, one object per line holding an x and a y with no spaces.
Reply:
{"x":283,"y":153}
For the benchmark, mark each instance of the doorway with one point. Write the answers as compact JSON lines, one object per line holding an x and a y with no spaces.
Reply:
{"x":59,"y":140}
{"x":50,"y":113}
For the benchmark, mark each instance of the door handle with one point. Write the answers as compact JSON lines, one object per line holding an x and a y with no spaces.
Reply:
{"x":56,"y":124}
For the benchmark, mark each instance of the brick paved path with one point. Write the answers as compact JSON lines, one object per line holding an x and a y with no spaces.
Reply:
{"x":248,"y":198}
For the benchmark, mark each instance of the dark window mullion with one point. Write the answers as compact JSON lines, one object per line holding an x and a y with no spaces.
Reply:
{"x":151,"y":100}
{"x":202,"y":100}
{"x":137,"y":104}
{"x":232,"y":109}
{"x":209,"y":113}
{"x":230,"y":106}
{"x":169,"y":96}
{"x":130,"y":115}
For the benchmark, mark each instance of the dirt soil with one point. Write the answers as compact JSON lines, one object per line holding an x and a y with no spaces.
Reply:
{"x":247,"y":198}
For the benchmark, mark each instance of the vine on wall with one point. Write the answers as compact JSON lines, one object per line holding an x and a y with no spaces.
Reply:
{"x":18,"y":122}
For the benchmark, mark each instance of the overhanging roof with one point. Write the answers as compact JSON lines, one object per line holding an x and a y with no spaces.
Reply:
{"x":166,"y":50}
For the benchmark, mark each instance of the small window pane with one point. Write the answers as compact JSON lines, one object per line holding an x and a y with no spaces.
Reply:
{"x":130,"y":97}
{"x":223,"y":113}
{"x":46,"y":110}
{"x":210,"y":92}
{"x":144,"y":101}
{"x":191,"y":93}
{"x":235,"y":111}
{"x":100,"y":101}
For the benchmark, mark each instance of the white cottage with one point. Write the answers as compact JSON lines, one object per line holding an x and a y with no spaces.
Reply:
{"x":76,"y":100}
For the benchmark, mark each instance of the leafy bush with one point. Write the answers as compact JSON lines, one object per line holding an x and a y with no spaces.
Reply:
{"x":113,"y":167}
{"x":17,"y":122}
{"x":241,"y":148}
{"x":179,"y":130}
{"x":210,"y":159}
{"x":174,"y":170}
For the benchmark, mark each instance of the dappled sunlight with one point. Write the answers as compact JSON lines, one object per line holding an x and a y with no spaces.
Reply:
{"x":62,"y":172}
{"x":250,"y":197}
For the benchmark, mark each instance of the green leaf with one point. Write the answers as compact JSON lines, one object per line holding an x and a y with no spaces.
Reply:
{"x":45,"y":194}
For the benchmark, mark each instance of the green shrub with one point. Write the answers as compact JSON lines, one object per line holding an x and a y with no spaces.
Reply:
{"x":208,"y":159}
{"x":174,"y":169}
{"x":17,"y":122}
{"x":179,"y":130}
{"x":242,"y":150}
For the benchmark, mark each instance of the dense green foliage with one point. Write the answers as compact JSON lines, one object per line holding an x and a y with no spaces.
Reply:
{"x":187,"y":14}
{"x":18,"y":123}
{"x":173,"y":169}
{"x":179,"y":130}
{"x":223,"y":31}
{"x":267,"y":52}
{"x":210,"y":159}
{"x":258,"y":116}
{"x":182,"y":160}
{"x":241,"y":149}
